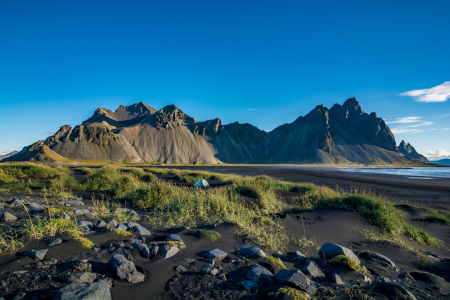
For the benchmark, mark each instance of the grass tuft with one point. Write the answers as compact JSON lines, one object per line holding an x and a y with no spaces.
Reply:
{"x":118,"y":231}
{"x":210,"y":235}
{"x":344,"y":260}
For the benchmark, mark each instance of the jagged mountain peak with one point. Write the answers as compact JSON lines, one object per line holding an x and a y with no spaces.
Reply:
{"x":409,"y":151}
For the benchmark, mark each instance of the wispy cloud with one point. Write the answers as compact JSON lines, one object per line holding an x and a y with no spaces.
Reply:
{"x":438,"y":153}
{"x":421,"y":124}
{"x":251,"y":109}
{"x":439,"y":93}
{"x":405,"y":130}
{"x":406,"y":120}
{"x":445,"y":128}
{"x":433,"y":129}
{"x":49,"y":132}
{"x":3,"y":152}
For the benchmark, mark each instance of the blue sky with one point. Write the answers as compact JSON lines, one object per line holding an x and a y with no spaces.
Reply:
{"x":258,"y":62}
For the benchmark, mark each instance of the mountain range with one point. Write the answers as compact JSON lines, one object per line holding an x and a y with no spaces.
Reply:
{"x":138,"y":133}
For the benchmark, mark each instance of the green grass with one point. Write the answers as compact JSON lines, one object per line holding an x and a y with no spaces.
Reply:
{"x":347,"y":261}
{"x":21,"y":187}
{"x":14,"y":172}
{"x":438,"y":214}
{"x":210,"y":235}
{"x":291,"y":293}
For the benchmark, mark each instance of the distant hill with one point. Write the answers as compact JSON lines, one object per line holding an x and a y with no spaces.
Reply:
{"x":137,"y":133}
{"x":409,"y":151}
{"x":5,"y":156}
{"x":445,"y":161}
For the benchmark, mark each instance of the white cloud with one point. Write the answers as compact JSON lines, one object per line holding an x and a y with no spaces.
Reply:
{"x":406,"y":120}
{"x":267,"y":130}
{"x":405,"y":130}
{"x":433,"y":129}
{"x":438,"y":153}
{"x":445,"y":128}
{"x":251,"y":109}
{"x":439,"y":93}
{"x":3,"y":152}
{"x":422,"y":124}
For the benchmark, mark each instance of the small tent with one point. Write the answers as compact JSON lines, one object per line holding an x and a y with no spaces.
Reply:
{"x":201,"y":182}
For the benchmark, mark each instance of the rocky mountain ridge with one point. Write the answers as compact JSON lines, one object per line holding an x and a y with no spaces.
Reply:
{"x":409,"y":151}
{"x":137,"y":133}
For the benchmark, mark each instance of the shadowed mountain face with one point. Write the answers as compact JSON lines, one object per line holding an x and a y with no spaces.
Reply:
{"x":140,"y":133}
{"x":409,"y":151}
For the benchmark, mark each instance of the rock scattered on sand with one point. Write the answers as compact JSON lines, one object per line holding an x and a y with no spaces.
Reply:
{"x":154,"y":250}
{"x":119,"y":210}
{"x":71,"y":203}
{"x":111,"y":225}
{"x":99,"y":290}
{"x":391,"y":290}
{"x":20,"y":296}
{"x":330,"y":250}
{"x":251,"y":252}
{"x":387,"y":262}
{"x":180,"y":269}
{"x":64,"y":216}
{"x":123,"y":227}
{"x":297,"y":279}
{"x":168,"y":251}
{"x":35,"y":207}
{"x":7,"y":217}
{"x":176,"y":238}
{"x":82,"y":265}
{"x":216,"y":255}
{"x":143,"y":249}
{"x":36,"y":254}
{"x":78,"y":277}
{"x":135,"y":227}
{"x":100,"y":224}
{"x":85,"y":226}
{"x":80,"y":211}
{"x":256,"y":272}
{"x":53,"y":242}
{"x":246,"y":284}
{"x":311,"y":269}
{"x":210,"y":270}
{"x":125,"y":269}
{"x":16,"y":202}
{"x":336,"y":279}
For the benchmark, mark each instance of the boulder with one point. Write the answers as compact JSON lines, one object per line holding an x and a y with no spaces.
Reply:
{"x":386,"y":261}
{"x":7,"y":217}
{"x":85,"y":226}
{"x":176,"y":238}
{"x":64,"y":216}
{"x":99,"y":290}
{"x":296,"y":279}
{"x":54,"y":242}
{"x":251,"y":252}
{"x":169,"y":251}
{"x":311,"y":269}
{"x":78,"y":277}
{"x":125,"y":269}
{"x":154,"y":250}
{"x":143,"y":249}
{"x":35,"y":207}
{"x":100,"y":224}
{"x":135,"y":227}
{"x":210,"y":270}
{"x":216,"y":255}
{"x":111,"y":225}
{"x":391,"y":290}
{"x":330,"y":250}
{"x":336,"y":279}
{"x":80,"y":211}
{"x":256,"y":272}
{"x":247,"y":284}
{"x":300,"y":256}
{"x":17,"y":202}
{"x":180,"y":269}
{"x":36,"y":254}
{"x":123,"y":227}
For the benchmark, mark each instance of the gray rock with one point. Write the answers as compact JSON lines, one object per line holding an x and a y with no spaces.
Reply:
{"x":143,"y":249}
{"x":100,"y":224}
{"x":36,"y":254}
{"x":20,"y":296}
{"x":135,"y":227}
{"x":111,"y":225}
{"x":180,"y":269}
{"x":176,"y":238}
{"x":250,"y":251}
{"x":7,"y":217}
{"x":154,"y":250}
{"x":406,"y":275}
{"x":124,"y":253}
{"x":99,"y":290}
{"x":17,"y":202}
{"x":247,"y":284}
{"x":78,"y":277}
{"x":169,"y":251}
{"x":337,"y":279}
{"x":118,"y":245}
{"x":119,"y":210}
{"x":330,"y":250}
{"x":189,"y":260}
{"x":80,"y":211}
{"x":390,"y":264}
{"x":300,"y":256}
{"x":391,"y":290}
{"x":48,"y":262}
{"x":297,"y":279}
{"x":216,"y":255}
{"x":311,"y":269}
{"x":85,"y":226}
{"x":123,"y":227}
{"x":125,"y":269}
{"x":210,"y":270}
{"x":82,"y":266}
{"x":54,"y":242}
{"x":64,"y":216}
{"x":35,"y":207}
{"x":256,"y":272}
